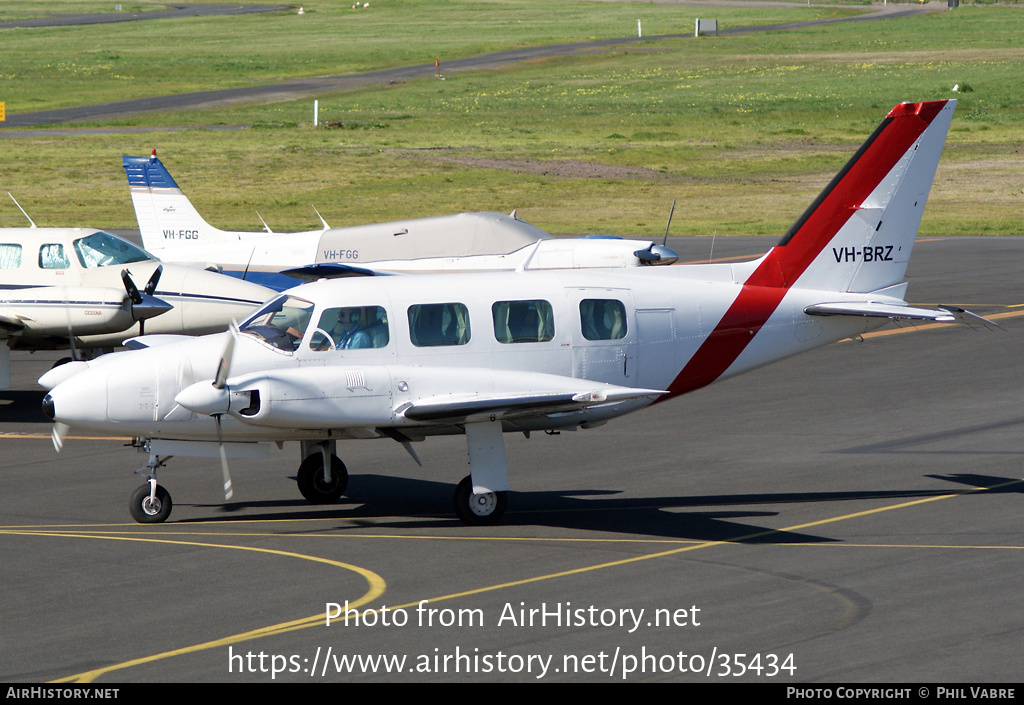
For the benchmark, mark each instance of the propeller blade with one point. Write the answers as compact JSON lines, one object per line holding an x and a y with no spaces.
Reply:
{"x":225,"y":473}
{"x":129,"y":286}
{"x":59,"y":432}
{"x":224,"y":366}
{"x":153,"y":280}
{"x":145,"y":305}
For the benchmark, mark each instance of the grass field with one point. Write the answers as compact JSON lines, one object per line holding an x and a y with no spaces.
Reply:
{"x":743,"y":130}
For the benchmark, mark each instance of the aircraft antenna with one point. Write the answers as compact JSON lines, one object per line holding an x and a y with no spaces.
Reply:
{"x":265,"y":226}
{"x":712,"y":255}
{"x":529,"y":257}
{"x":20,"y":208}
{"x":664,"y":240}
{"x":248,"y":264}
{"x":326,"y":226}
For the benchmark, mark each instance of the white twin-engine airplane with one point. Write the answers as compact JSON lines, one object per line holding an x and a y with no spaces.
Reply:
{"x":76,"y":287}
{"x":406,"y":357}
{"x":174,"y":231}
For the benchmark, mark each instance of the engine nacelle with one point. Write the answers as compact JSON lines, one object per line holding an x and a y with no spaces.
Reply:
{"x":87,"y":310}
{"x":325,"y":397}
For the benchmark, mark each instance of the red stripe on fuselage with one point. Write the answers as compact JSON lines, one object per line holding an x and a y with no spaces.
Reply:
{"x":764,"y":290}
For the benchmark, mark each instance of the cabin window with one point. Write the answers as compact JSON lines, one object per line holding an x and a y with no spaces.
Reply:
{"x":351,"y":328}
{"x":10,"y":256}
{"x":603,"y":319}
{"x":52,"y":257}
{"x":431,"y":325}
{"x":103,"y":249}
{"x":280,"y":322}
{"x":523,"y":321}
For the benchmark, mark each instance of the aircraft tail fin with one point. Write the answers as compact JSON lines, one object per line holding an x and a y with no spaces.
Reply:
{"x":166,"y":217}
{"x":858,"y":233}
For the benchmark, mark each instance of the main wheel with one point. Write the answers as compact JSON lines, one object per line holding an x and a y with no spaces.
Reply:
{"x":311,"y":479}
{"x":150,"y":510}
{"x":478,"y":509}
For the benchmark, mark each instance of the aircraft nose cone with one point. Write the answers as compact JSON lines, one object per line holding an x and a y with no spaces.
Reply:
{"x":148,"y":307}
{"x":48,"y":407}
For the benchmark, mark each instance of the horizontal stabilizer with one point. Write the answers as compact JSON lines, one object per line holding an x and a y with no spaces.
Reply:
{"x":945,"y":314}
{"x":879,"y":310}
{"x":967,"y":318}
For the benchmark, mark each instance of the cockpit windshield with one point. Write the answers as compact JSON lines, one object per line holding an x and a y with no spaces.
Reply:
{"x":103,"y":249}
{"x":280,"y":322}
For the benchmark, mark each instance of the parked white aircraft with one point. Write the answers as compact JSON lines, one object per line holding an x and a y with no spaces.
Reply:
{"x":482,"y":354}
{"x":75,"y":287}
{"x":174,"y":231}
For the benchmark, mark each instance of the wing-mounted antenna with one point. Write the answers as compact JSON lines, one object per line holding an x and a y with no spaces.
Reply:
{"x":265,"y":226}
{"x":326,"y":226}
{"x":21,"y":209}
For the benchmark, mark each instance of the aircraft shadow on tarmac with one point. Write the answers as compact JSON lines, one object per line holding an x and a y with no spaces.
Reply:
{"x":428,"y":505}
{"x":22,"y":407}
{"x":910,"y":445}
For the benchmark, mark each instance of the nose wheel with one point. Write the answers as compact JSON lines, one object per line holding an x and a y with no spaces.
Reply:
{"x":150,"y":504}
{"x":478,"y":509}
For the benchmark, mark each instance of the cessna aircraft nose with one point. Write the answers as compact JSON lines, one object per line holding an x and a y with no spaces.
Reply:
{"x":48,"y":407}
{"x":148,"y":307}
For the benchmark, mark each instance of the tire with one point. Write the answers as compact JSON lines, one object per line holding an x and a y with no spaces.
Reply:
{"x":311,"y":480}
{"x":147,"y":511}
{"x":478,"y":509}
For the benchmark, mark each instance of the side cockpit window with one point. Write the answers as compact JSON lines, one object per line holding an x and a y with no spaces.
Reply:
{"x":523,"y":321}
{"x":351,"y":328}
{"x":603,"y":319}
{"x":432,"y":325}
{"x":52,"y":256}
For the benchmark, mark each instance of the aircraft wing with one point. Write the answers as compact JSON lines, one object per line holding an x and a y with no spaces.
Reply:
{"x":10,"y":324}
{"x":330,"y":270}
{"x":140,"y":342}
{"x":480,"y":407}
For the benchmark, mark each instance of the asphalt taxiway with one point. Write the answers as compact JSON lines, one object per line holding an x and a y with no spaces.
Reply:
{"x":852,"y":514}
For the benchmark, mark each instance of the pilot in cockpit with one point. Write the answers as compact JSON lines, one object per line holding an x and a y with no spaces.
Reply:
{"x":347,"y":333}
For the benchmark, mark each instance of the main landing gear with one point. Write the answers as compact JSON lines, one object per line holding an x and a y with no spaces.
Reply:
{"x":478,"y":509}
{"x":322,"y":477}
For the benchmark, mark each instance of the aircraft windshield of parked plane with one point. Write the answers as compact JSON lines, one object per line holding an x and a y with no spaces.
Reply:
{"x":88,"y":289}
{"x":513,"y":352}
{"x":173,"y":230}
